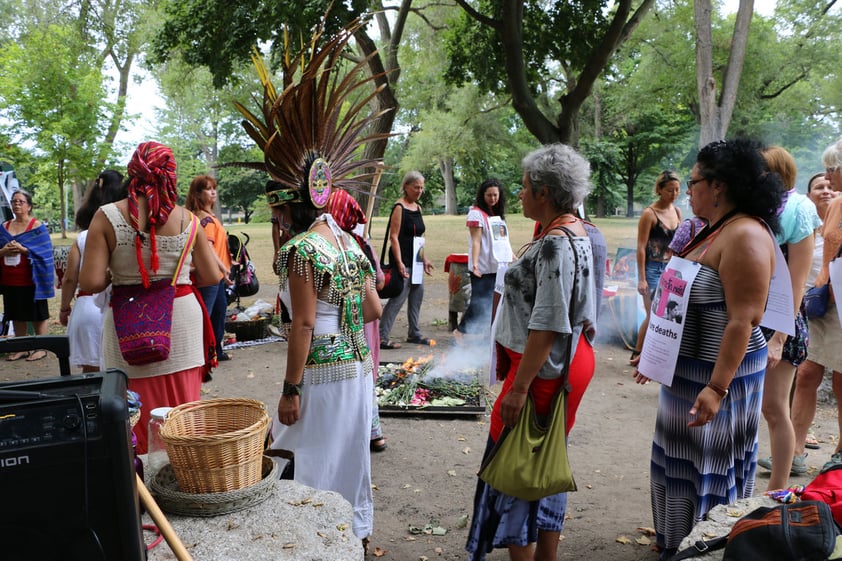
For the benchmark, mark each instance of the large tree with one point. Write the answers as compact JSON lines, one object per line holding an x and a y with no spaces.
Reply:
{"x":221,"y":34}
{"x":546,"y":55}
{"x":57,"y":112}
{"x":467,"y":135}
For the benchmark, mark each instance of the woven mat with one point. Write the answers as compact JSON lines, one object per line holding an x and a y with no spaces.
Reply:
{"x":253,"y":343}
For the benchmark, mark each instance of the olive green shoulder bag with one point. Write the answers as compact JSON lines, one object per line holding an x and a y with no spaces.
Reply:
{"x":529,"y":461}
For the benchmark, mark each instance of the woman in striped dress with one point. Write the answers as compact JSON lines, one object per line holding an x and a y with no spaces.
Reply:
{"x":704,"y":451}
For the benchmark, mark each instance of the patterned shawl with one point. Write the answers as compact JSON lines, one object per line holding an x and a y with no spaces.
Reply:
{"x":40,"y":247}
{"x":152,"y":176}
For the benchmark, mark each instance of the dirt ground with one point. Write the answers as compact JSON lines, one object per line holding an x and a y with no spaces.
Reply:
{"x":427,"y":475}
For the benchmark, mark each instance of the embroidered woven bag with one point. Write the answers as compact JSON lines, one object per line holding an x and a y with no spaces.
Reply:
{"x":143,"y":316}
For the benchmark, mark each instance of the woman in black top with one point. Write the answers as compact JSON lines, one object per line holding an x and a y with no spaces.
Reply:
{"x":405,"y":224}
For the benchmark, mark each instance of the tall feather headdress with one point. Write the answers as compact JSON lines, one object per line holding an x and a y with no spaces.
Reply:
{"x":312,"y":132}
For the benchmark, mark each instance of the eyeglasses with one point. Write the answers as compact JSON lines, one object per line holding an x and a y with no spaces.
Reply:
{"x":831,"y":171}
{"x":691,"y":182}
{"x":18,"y":201}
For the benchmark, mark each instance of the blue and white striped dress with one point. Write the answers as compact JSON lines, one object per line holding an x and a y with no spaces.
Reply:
{"x":693,"y":469}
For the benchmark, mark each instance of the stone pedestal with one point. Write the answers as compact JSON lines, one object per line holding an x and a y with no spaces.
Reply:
{"x":297,"y":522}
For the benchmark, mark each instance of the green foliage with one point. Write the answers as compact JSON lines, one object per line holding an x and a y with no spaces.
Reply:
{"x":476,"y":53}
{"x":241,"y":188}
{"x":58,"y":112}
{"x":220,"y":34}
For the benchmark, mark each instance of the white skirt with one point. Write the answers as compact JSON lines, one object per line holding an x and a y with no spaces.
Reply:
{"x":84,"y":332}
{"x":330,"y":442}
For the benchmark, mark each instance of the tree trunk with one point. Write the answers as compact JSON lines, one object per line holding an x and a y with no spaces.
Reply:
{"x":384,"y":66}
{"x":446,"y":169}
{"x":716,"y":115}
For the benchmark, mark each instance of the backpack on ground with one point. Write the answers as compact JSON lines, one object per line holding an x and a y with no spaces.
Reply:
{"x":801,"y":531}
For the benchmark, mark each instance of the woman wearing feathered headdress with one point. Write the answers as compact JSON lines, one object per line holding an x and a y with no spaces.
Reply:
{"x":140,"y":239}
{"x":310,"y":136}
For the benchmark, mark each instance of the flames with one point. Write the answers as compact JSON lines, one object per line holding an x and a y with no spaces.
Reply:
{"x":412,"y":365}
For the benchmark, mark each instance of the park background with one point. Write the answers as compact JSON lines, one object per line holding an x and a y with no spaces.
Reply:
{"x":635,"y":85}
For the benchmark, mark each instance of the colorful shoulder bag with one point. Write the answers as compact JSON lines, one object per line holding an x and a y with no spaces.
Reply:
{"x":143,"y":316}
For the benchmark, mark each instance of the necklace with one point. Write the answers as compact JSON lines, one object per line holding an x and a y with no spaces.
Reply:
{"x":554,"y":224}
{"x":707,"y":231}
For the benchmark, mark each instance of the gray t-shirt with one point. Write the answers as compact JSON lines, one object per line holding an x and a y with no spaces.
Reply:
{"x":537,"y":296}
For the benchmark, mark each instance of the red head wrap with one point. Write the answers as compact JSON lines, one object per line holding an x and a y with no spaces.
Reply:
{"x":345,"y":210}
{"x":151,"y":175}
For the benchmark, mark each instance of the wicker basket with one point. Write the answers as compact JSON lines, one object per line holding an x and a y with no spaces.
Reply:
{"x":216,"y":445}
{"x":248,"y":330}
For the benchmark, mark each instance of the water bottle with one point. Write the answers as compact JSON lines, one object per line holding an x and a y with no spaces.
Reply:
{"x":157,"y":454}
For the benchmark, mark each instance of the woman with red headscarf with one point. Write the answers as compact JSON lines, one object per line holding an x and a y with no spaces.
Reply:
{"x":350,"y":217}
{"x":140,"y":239}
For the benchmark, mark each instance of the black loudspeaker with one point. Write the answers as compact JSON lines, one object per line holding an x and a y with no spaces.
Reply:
{"x":67,"y":477}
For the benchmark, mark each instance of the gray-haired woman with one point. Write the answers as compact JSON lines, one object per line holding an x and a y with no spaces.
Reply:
{"x":543,"y":308}
{"x":406,"y":224}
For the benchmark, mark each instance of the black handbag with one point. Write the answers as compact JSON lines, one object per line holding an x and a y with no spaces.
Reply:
{"x":393,"y":284}
{"x":801,"y":531}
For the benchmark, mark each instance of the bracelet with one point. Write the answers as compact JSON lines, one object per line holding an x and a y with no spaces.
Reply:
{"x":291,"y":389}
{"x":720,"y":391}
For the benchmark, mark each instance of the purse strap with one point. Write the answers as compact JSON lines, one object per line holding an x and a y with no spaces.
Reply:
{"x":570,"y":237}
{"x":386,"y":237}
{"x":188,"y":247}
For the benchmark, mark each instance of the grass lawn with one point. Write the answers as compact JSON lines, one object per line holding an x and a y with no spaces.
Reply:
{"x":445,"y":235}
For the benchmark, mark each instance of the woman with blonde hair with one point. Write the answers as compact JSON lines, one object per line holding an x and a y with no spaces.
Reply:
{"x":798,"y":219}
{"x":141,"y":239}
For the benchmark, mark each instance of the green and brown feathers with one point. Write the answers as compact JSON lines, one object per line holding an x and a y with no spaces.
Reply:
{"x":320,"y":114}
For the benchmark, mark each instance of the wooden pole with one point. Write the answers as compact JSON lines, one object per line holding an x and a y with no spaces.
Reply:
{"x":161,"y":521}
{"x":375,"y":181}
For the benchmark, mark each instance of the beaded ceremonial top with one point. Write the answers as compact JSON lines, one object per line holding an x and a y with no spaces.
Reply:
{"x":338,"y":279}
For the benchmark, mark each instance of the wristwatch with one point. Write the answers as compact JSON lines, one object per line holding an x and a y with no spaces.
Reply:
{"x":291,"y":389}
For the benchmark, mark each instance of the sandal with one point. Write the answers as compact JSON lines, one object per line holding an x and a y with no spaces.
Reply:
{"x":18,"y":356}
{"x":36,"y":355}
{"x":418,"y":341}
{"x":811,"y":442}
{"x":378,"y":444}
{"x":389,"y":345}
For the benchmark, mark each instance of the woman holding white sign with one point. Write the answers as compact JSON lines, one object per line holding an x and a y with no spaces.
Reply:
{"x":799,"y":219}
{"x":705,"y":443}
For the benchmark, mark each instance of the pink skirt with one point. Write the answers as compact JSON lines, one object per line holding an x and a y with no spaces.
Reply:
{"x":168,"y":390}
